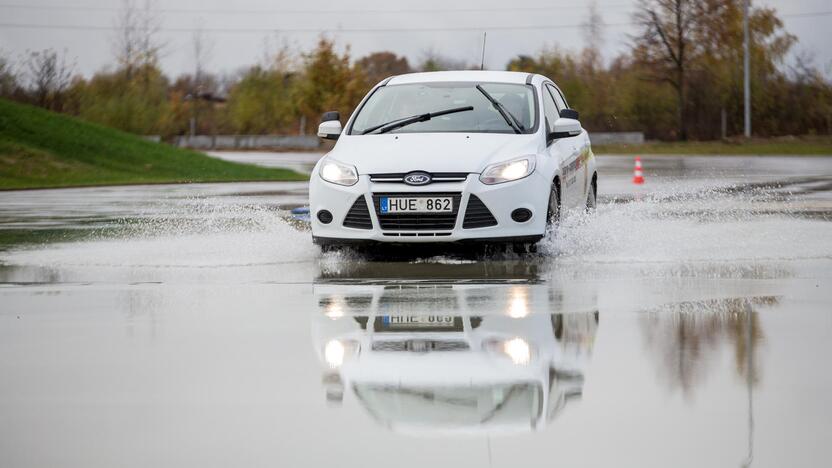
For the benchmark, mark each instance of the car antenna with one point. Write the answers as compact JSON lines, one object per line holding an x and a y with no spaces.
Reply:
{"x":482,"y":60}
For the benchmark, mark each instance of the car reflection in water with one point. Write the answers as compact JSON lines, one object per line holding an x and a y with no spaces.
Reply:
{"x":453,"y":358}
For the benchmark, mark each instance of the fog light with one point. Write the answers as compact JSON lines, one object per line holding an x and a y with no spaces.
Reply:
{"x":521,"y":215}
{"x":325,"y":216}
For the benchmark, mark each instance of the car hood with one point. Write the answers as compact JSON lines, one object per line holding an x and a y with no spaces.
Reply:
{"x":432,"y":152}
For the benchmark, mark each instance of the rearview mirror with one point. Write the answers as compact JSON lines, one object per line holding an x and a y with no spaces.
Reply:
{"x":565,"y":128}
{"x":330,"y":127}
{"x":569,"y":114}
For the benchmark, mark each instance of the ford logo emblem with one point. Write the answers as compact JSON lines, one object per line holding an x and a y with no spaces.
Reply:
{"x":417,"y":178}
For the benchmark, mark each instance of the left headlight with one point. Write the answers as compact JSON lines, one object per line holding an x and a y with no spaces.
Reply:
{"x":517,"y":349}
{"x":508,"y":171}
{"x":337,"y":173}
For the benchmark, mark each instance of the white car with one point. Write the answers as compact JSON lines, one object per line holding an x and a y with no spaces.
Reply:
{"x":452,"y":156}
{"x":432,"y":360}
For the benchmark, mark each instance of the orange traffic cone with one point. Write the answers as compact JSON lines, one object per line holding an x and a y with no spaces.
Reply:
{"x":638,"y":175}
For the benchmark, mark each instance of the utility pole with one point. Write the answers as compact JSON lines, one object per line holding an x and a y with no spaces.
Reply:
{"x":746,"y":69}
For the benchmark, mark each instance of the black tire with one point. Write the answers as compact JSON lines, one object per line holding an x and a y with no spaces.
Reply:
{"x":553,"y":212}
{"x":557,"y":326}
{"x":327,"y":248}
{"x":592,"y":197}
{"x":523,"y":248}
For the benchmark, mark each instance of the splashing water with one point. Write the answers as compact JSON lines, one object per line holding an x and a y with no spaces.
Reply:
{"x":707,"y":225}
{"x":669,"y":226}
{"x":198,"y":233}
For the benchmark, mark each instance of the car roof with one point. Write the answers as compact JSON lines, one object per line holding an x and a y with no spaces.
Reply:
{"x":463,"y":75}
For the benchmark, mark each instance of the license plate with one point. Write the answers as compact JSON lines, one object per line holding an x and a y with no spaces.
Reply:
{"x":389,"y":205}
{"x":418,"y":322}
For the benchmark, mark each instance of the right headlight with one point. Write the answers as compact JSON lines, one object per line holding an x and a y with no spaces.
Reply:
{"x":508,"y":171}
{"x":336,"y":351}
{"x":337,"y":173}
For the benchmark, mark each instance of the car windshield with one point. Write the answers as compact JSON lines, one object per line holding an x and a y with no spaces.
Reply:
{"x":391,"y":103}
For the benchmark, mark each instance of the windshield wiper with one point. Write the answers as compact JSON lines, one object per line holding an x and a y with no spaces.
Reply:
{"x":399,"y":123}
{"x":508,"y":116}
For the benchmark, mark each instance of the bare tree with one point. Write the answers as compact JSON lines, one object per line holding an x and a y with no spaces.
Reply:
{"x":666,"y":45}
{"x":49,"y":77}
{"x":136,"y":43}
{"x":593,"y":27}
{"x":9,"y":82}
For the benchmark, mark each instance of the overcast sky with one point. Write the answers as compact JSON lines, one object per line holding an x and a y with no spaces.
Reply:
{"x":449,"y":27}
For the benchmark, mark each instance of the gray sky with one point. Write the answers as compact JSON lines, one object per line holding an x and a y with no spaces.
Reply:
{"x":258,"y":24}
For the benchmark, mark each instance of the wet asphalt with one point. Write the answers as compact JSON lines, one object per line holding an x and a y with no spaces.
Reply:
{"x":686,"y":323}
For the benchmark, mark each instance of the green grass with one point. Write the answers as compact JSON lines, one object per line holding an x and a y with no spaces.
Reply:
{"x":779,"y":146}
{"x":41,"y":149}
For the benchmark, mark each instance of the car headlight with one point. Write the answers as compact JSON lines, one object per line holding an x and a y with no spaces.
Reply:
{"x":517,"y":349}
{"x":336,"y":351}
{"x":507,"y":171}
{"x":338,"y":173}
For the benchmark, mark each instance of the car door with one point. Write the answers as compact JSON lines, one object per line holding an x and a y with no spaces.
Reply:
{"x":582,"y":142}
{"x":566,"y":150}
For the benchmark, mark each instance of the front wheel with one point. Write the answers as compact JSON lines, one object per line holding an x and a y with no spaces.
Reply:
{"x":592,"y":197}
{"x":553,"y":211}
{"x":523,"y":248}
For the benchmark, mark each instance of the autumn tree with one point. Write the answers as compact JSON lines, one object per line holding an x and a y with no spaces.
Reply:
{"x":138,"y":104}
{"x":261,"y":102}
{"x":434,"y":61}
{"x":329,"y":82}
{"x":719,"y":34}
{"x":666,"y":46}
{"x":696,"y":47}
{"x":380,"y":65}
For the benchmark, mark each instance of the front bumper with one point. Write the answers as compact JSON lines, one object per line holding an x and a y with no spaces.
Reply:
{"x":531,"y":193}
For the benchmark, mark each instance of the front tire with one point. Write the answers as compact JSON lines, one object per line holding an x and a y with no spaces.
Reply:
{"x":592,"y":197}
{"x":524,"y":248}
{"x":553,"y":211}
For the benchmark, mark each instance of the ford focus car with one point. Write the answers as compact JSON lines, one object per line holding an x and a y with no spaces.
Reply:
{"x":452,"y":157}
{"x":443,"y":364}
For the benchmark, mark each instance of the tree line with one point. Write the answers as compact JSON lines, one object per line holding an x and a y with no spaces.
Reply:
{"x":680,"y":78}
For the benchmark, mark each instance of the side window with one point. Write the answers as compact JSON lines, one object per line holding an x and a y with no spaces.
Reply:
{"x":556,"y":94}
{"x":550,"y":110}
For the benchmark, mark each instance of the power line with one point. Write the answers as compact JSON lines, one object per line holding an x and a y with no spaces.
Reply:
{"x":243,"y":11}
{"x":308,"y":30}
{"x":353,"y":30}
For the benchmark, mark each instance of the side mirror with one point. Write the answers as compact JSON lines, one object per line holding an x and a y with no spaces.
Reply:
{"x":569,"y":114}
{"x":331,"y":115}
{"x":330,"y":127}
{"x":564,"y":128}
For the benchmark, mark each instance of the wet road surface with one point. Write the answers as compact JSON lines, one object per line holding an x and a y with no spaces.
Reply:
{"x":299,"y":161}
{"x":685,"y":323}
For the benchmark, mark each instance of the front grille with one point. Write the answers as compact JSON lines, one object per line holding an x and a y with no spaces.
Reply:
{"x":417,"y":234}
{"x":420,"y":346}
{"x":359,"y":215}
{"x":477,"y":214}
{"x":417,"y":221}
{"x":398,"y":177}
